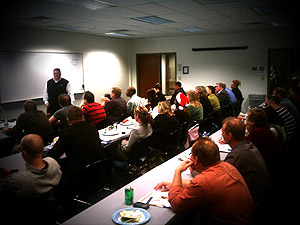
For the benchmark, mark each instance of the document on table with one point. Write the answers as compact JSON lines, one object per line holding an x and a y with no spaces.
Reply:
{"x":156,"y":198}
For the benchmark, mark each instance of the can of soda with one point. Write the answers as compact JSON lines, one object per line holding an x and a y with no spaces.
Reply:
{"x":128,"y":196}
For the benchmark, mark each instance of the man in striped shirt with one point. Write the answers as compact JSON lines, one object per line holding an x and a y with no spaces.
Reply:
{"x":287,"y":118}
{"x":93,"y":112}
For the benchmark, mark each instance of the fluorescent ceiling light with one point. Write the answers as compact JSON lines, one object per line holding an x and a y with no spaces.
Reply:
{"x":117,"y":34}
{"x":191,"y":29}
{"x":152,"y":19}
{"x":89,"y":4}
{"x":69,"y":27}
{"x":281,"y":24}
{"x":268,"y":9}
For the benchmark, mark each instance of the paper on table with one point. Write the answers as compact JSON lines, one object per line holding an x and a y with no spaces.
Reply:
{"x":156,"y":198}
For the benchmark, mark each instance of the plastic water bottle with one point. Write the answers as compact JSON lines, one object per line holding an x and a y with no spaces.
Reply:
{"x":249,"y":107}
{"x":5,"y":123}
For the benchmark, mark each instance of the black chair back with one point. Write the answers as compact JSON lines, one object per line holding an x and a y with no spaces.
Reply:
{"x":173,"y":143}
{"x":94,"y":177}
{"x":184,"y":132}
{"x":139,"y":149}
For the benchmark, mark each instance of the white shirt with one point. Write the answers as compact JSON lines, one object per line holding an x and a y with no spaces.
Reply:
{"x":68,"y":89}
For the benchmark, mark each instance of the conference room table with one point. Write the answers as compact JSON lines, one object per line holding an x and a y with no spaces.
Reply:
{"x":116,"y":132}
{"x":102,"y":212}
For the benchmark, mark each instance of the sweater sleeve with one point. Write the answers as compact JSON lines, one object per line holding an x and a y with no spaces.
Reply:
{"x":133,"y":138}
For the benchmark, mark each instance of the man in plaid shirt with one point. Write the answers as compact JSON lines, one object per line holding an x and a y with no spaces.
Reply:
{"x":116,"y":108}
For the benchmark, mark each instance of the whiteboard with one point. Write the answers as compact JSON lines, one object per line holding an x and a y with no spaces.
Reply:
{"x":23,"y":75}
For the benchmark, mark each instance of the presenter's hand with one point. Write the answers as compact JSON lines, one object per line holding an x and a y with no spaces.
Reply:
{"x":47,"y":105}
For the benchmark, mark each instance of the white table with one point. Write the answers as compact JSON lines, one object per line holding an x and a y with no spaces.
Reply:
{"x":101,"y":212}
{"x":117,"y":133}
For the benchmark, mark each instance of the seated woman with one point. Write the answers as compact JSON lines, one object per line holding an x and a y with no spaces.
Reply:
{"x":164,"y":124}
{"x":214,"y":101}
{"x":195,"y":108}
{"x":143,"y":130}
{"x":207,"y":107}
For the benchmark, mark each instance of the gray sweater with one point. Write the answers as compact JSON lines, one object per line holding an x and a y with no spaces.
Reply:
{"x":32,"y":182}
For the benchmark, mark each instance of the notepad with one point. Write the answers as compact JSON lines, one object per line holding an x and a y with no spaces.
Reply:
{"x":156,"y":198}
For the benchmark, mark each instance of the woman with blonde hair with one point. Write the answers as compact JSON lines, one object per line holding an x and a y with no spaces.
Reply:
{"x":143,"y":130}
{"x":195,"y":108}
{"x":164,"y":124}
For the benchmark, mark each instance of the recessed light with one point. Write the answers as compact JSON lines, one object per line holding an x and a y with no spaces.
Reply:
{"x":89,"y":4}
{"x":152,"y":19}
{"x":117,"y":34}
{"x":191,"y":29}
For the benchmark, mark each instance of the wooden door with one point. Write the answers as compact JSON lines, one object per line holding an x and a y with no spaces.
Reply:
{"x":148,"y":72}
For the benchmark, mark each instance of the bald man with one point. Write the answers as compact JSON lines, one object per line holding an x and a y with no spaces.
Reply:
{"x":39,"y":176}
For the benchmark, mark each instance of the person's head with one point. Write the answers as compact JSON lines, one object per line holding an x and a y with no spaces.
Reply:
{"x":74,"y":115}
{"x":32,"y":146}
{"x":177,"y":85}
{"x":164,"y":107}
{"x":89,"y":97}
{"x":233,"y":130}
{"x":142,"y":115}
{"x":205,"y":153}
{"x":235,"y":83}
{"x":194,"y":99}
{"x":210,"y":89}
{"x":157,"y":87}
{"x":64,"y":100}
{"x":273,"y":101}
{"x":201,"y":91}
{"x":150,"y":94}
{"x":56,"y":74}
{"x":256,"y":118}
{"x":279,"y":92}
{"x":130,"y":91}
{"x":29,"y":106}
{"x":116,"y":92}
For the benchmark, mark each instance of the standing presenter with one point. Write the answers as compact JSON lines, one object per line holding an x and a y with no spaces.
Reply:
{"x":53,"y":88}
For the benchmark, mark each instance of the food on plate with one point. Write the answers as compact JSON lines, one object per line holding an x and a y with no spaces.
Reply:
{"x":130,"y":216}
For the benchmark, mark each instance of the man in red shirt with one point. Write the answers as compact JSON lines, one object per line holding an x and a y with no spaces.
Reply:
{"x":218,"y":194}
{"x":93,"y":112}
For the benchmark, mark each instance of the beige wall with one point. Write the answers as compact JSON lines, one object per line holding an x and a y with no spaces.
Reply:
{"x":209,"y":67}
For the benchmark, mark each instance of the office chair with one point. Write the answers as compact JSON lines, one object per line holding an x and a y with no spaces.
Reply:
{"x":103,"y":123}
{"x":91,"y":180}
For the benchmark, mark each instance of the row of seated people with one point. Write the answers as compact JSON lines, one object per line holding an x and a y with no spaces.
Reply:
{"x":82,"y":146}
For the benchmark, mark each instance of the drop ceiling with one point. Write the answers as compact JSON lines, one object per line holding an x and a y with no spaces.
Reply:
{"x":121,"y":17}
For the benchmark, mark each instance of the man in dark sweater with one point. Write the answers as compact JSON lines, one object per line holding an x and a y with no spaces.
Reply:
{"x":82,"y":146}
{"x":32,"y":121}
{"x":53,"y":88}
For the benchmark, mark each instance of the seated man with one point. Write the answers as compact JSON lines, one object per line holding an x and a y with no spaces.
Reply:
{"x":93,"y":112}
{"x":82,"y":146}
{"x":264,"y":139}
{"x":60,"y":116}
{"x":247,"y":159}
{"x":32,"y":121}
{"x":117,"y":106}
{"x":134,"y":100}
{"x":26,"y":191}
{"x":80,"y":142}
{"x":39,"y":176}
{"x":219,"y":193}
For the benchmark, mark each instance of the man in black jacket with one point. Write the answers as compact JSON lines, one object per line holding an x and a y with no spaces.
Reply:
{"x":82,"y":146}
{"x":222,"y":95}
{"x":178,"y":89}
